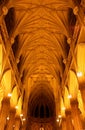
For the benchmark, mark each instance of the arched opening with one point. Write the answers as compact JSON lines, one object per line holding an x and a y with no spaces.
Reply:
{"x":36,"y":114}
{"x":41,"y":102}
{"x":42,"y":113}
{"x":47,"y":112}
{"x":41,"y":105}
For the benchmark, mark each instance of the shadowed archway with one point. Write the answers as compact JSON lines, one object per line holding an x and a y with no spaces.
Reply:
{"x":41,"y":106}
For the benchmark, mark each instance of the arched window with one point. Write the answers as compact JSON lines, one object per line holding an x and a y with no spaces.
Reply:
{"x":41,"y":111}
{"x":47,"y":111}
{"x":36,"y":114}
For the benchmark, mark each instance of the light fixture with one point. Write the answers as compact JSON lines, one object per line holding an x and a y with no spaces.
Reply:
{"x":21,"y":115}
{"x":79,"y":74}
{"x":23,"y":119}
{"x":63,"y":108}
{"x":57,"y":120}
{"x":7,"y":118}
{"x":69,"y":96}
{"x":59,"y":116}
{"x":9,"y":94}
{"x":16,"y":107}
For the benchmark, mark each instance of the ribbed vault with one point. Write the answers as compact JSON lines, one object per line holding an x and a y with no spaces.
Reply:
{"x":41,"y":45}
{"x":41,"y":98}
{"x":42,"y":31}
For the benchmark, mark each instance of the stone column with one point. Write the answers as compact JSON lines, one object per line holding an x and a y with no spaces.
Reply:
{"x":23,"y":127}
{"x":76,"y":115}
{"x":4,"y":112}
{"x":82,"y":90}
{"x":69,"y":125}
{"x":11,"y":119}
{"x":17,"y":123}
{"x":63,"y":125}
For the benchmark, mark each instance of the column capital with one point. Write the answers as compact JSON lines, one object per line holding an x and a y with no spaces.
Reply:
{"x":12,"y":110}
{"x":74,"y":101}
{"x":68,"y":112}
{"x":63,"y":118}
{"x":76,"y":10}
{"x":4,"y":10}
{"x":6,"y":100}
{"x":82,"y":86}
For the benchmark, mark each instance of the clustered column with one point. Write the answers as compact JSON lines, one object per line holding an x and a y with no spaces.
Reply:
{"x":11,"y":119}
{"x":4,"y":112}
{"x":69,"y":125}
{"x":82,"y":90}
{"x":8,"y":118}
{"x":63,"y":123}
{"x":76,"y":115}
{"x":17,"y":123}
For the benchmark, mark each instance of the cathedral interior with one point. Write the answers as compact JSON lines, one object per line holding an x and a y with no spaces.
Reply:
{"x":42,"y":64}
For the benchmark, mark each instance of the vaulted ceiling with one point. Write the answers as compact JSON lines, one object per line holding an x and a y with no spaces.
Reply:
{"x":41,"y":40}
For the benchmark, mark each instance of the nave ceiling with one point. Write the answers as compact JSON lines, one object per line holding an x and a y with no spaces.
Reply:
{"x":42,"y":45}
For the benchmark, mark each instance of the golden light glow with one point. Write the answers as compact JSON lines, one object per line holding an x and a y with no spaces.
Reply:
{"x":59,"y":116}
{"x":24,"y":119}
{"x":79,"y":74}
{"x":34,"y":50}
{"x":57,"y":120}
{"x":21,"y":115}
{"x":7,"y":118}
{"x":16,"y":107}
{"x":81,"y":77}
{"x":9,"y":94}
{"x":63,"y":108}
{"x":69,"y":96}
